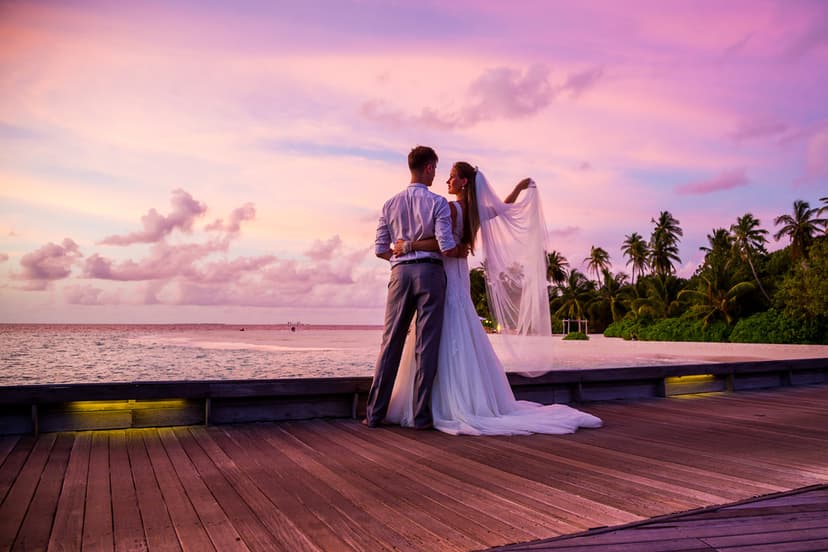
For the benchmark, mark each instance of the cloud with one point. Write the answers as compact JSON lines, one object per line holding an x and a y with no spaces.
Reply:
{"x":244,"y":213}
{"x":566,"y":232}
{"x":184,"y":275}
{"x":323,"y":251}
{"x":498,"y":93}
{"x":287,"y":283}
{"x":185,"y":210}
{"x":83,"y":294}
{"x":231,"y":271}
{"x":579,"y":83}
{"x":164,"y":261}
{"x":758,"y":128}
{"x":47,"y":264}
{"x":505,"y":92}
{"x":726,"y":181}
{"x":737,"y":47}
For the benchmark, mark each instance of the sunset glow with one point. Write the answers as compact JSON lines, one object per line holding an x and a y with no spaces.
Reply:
{"x":226,"y":162}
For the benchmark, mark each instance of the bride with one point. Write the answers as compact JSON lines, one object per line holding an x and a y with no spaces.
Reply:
{"x":471,"y":394}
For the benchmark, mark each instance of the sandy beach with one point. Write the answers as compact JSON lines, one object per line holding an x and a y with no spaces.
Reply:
{"x":612,"y":352}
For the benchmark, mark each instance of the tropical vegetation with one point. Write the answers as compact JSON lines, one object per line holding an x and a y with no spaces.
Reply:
{"x":741,"y":292}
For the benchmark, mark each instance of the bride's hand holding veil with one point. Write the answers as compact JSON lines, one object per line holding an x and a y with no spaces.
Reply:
{"x":519,"y":187}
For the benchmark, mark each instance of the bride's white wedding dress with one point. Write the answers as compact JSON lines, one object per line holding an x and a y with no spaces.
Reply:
{"x":471,"y":394}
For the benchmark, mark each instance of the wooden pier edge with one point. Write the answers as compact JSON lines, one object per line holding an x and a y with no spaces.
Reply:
{"x":92,"y":406}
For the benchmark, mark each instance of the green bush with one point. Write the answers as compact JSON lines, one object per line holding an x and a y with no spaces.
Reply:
{"x":580,"y":336}
{"x":773,"y":326}
{"x":615,"y":329}
{"x":684,"y":329}
{"x":626,"y":329}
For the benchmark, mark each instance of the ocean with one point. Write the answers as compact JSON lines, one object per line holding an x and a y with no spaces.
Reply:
{"x":74,"y":353}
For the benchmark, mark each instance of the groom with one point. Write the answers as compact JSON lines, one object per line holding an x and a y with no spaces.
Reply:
{"x":417,"y":285}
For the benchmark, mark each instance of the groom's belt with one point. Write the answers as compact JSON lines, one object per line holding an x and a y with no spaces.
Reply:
{"x":429,"y":260}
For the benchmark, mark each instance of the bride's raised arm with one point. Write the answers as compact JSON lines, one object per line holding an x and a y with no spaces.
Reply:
{"x":519,"y":187}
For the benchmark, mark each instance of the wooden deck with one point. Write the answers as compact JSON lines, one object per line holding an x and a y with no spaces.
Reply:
{"x":336,"y":485}
{"x":792,"y":521}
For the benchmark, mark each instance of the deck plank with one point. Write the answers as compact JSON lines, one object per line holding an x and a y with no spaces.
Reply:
{"x":16,"y":503}
{"x":369,"y":509}
{"x":340,"y":508}
{"x":279,"y":489}
{"x":286,"y":535}
{"x":13,"y":463}
{"x":448,"y":480}
{"x":294,"y":480}
{"x":637,"y":494}
{"x":191,"y":532}
{"x":98,"y":528}
{"x":564,"y":510}
{"x":221,"y":530}
{"x":7,"y":444}
{"x":37,"y":525}
{"x":126,"y":515}
{"x":765,"y":523}
{"x":211,"y":467}
{"x":158,"y":527}
{"x":67,"y":532}
{"x":427,"y":512}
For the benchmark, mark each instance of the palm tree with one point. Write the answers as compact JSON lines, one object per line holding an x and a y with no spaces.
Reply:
{"x":800,"y":228}
{"x":716,"y":296}
{"x":575,"y":294}
{"x":749,"y":239}
{"x":637,"y":252}
{"x":664,"y":243}
{"x":823,"y":209}
{"x":597,"y":262}
{"x":661,"y":297}
{"x":614,"y":292}
{"x":556,"y":268}
{"x":721,"y":243}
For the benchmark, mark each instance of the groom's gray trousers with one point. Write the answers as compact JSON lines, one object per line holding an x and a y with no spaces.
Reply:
{"x":413,"y":289}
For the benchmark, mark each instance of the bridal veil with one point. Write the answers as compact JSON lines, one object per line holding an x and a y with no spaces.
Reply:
{"x":514,"y":246}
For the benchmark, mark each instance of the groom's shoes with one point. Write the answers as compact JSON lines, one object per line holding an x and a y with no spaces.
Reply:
{"x":425,"y":427}
{"x":373,"y":425}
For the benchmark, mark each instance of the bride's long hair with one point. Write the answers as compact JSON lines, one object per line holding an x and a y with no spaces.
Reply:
{"x":471,"y":215}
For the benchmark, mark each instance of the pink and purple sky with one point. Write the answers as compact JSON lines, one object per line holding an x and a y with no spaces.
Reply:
{"x":189,"y":161}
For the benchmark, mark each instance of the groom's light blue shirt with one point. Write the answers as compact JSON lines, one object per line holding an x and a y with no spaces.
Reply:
{"x":415,"y":213}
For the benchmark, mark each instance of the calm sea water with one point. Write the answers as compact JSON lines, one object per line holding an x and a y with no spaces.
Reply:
{"x":38,"y":354}
{"x":32,"y":354}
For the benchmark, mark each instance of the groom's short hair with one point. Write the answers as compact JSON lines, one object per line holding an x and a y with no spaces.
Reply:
{"x":420,"y":157}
